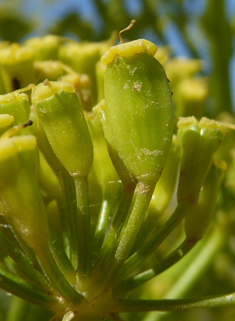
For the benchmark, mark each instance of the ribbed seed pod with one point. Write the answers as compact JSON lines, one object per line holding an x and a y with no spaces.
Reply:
{"x":62,"y":118}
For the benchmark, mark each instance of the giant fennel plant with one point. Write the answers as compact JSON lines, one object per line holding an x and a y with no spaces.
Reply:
{"x":89,"y":196}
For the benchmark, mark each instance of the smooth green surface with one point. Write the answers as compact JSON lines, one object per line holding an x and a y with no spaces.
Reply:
{"x":139,"y":113}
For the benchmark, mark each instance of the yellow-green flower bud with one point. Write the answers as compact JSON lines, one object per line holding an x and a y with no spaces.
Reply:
{"x":82,"y":57}
{"x":199,"y":141}
{"x":20,"y":192}
{"x":163,"y":54}
{"x":82,"y":85}
{"x":178,"y":69}
{"x":48,"y":69}
{"x":6,"y":120}
{"x":190,"y":97}
{"x":138,"y":108}
{"x":17,"y":105}
{"x":16,"y":66}
{"x":45,"y":48}
{"x":60,"y":113}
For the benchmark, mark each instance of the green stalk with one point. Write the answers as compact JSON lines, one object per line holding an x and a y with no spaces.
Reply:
{"x":216,"y":25}
{"x":197,"y":262}
{"x":110,"y":242}
{"x":27,"y":250}
{"x":102,"y":224}
{"x":72,"y":224}
{"x":162,"y":265}
{"x":12,"y":284}
{"x":108,"y":209}
{"x":18,"y":309}
{"x":56,"y":277}
{"x":193,"y":266}
{"x":24,"y":263}
{"x":125,"y":305}
{"x":143,"y":195}
{"x":129,"y":231}
{"x":21,"y":310}
{"x":157,"y":238}
{"x":83,"y":225}
{"x":61,"y":258}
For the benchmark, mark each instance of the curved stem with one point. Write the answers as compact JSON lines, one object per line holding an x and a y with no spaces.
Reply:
{"x":192,"y":266}
{"x":128,"y":233}
{"x":24,"y":264}
{"x":162,"y":265}
{"x":61,"y":258}
{"x":196,"y":262}
{"x":108,"y":209}
{"x":156,"y":239}
{"x":56,"y":277}
{"x":125,"y":305}
{"x":16,"y":286}
{"x":110,"y":242}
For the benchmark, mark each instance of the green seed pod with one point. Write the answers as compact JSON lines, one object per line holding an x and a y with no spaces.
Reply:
{"x":199,"y":217}
{"x":199,"y":141}
{"x":60,"y":113}
{"x":138,"y":108}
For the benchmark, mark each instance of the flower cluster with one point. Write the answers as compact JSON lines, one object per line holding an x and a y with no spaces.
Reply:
{"x":89,"y":196}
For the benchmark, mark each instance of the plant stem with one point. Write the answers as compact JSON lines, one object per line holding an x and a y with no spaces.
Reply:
{"x":61,"y":258}
{"x":56,"y":277}
{"x":162,"y":265}
{"x":108,"y":209}
{"x":197,"y":261}
{"x":129,"y":231}
{"x":125,"y":305}
{"x":83,"y":228}
{"x":24,"y":263}
{"x":192,"y":266}
{"x":16,"y":286}
{"x":156,"y":239}
{"x":71,"y":227}
{"x":110,"y":241}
